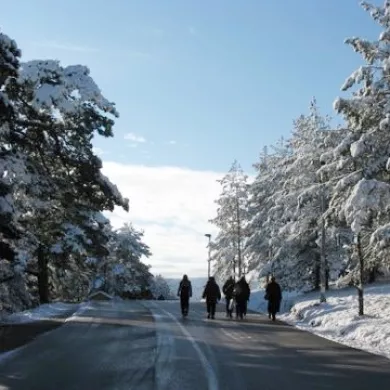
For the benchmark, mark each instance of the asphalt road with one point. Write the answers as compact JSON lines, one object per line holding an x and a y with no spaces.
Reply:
{"x":146,"y":346}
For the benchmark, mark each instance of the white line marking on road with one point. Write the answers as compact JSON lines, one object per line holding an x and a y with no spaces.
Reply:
{"x":212,"y":379}
{"x":232,"y":336}
{"x":164,"y":352}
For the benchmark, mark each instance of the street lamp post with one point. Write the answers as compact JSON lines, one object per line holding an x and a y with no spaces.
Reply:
{"x":209,"y":259}
{"x":323,"y":268}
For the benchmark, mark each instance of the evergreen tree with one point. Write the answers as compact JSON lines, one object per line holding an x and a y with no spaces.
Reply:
{"x":264,"y":214}
{"x":9,"y":65}
{"x":56,"y":138}
{"x":232,"y":214}
{"x":362,"y":197}
{"x":53,"y":235}
{"x":122,"y":272}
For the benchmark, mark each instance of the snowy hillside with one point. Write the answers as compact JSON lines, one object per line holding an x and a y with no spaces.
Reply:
{"x":338,"y":319}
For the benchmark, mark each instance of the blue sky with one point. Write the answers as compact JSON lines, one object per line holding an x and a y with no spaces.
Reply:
{"x":220,"y":79}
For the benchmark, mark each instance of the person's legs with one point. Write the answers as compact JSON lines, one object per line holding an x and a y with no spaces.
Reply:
{"x":213,"y":307}
{"x":186,"y":304}
{"x":182,"y":304}
{"x":273,"y":310}
{"x":227,"y":306}
{"x":238,"y":308}
{"x":208,"y":304}
{"x":269,"y":309}
{"x":231,"y":307}
{"x":242,"y":309}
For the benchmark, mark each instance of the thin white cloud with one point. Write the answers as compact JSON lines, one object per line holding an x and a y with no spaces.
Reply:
{"x":173,"y":206}
{"x":65,"y":46}
{"x":172,"y":142}
{"x":135,"y":138}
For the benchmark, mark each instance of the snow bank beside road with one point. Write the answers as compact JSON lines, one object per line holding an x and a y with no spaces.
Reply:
{"x":337,"y":319}
{"x":259,"y":304}
{"x":46,"y":311}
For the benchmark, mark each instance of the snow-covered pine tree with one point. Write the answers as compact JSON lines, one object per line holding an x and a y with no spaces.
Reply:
{"x":362,"y":198}
{"x":231,"y":219}
{"x":160,"y":288}
{"x":304,"y":201}
{"x":262,"y":244}
{"x":13,"y":287}
{"x":75,"y":255}
{"x":9,"y":64}
{"x":285,"y":206}
{"x":51,"y":186}
{"x":122,"y":272}
{"x":61,"y":111}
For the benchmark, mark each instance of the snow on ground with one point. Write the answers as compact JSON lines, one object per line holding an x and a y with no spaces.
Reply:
{"x":338,"y":319}
{"x":41,"y":312}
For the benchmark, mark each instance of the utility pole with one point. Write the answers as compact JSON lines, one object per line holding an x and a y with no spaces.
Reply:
{"x":209,"y":257}
{"x":234,"y":260}
{"x":238,"y":220}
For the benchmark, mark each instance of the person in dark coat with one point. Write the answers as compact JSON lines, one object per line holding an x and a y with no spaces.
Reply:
{"x":228,"y":289}
{"x":212,"y":294}
{"x":185,"y":293}
{"x":273,"y":294}
{"x":241,"y":294}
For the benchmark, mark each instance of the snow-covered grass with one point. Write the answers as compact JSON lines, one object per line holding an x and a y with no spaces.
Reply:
{"x":258,"y":303}
{"x":41,"y":312}
{"x":338,"y":319}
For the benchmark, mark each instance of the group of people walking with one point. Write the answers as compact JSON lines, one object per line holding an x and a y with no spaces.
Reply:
{"x":237,"y":295}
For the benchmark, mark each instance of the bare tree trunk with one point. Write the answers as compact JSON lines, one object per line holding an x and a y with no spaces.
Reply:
{"x":43,"y":276}
{"x":361,"y":276}
{"x":317,"y":273}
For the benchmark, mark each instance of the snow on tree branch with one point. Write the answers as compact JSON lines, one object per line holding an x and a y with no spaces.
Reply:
{"x":67,"y":89}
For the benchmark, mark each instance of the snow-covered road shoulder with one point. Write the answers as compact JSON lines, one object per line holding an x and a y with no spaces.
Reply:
{"x":338,"y":319}
{"x":39,"y":313}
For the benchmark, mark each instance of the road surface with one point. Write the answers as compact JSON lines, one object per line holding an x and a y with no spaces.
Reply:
{"x":144,"y":346}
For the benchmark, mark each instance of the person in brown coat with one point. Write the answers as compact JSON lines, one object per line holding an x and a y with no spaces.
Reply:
{"x":212,"y":294}
{"x":273,"y":294}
